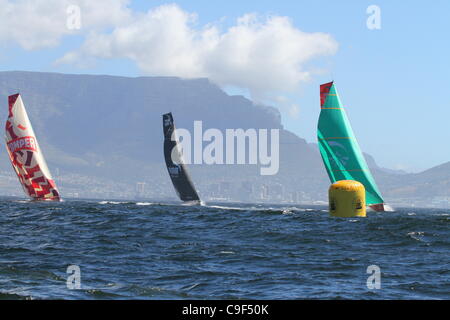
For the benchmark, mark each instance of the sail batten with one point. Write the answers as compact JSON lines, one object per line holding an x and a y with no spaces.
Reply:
{"x":25,"y":154}
{"x":339,"y":148}
{"x":178,"y":173}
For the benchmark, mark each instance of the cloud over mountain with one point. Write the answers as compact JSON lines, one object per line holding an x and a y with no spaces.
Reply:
{"x":262,"y":54}
{"x":267,"y":56}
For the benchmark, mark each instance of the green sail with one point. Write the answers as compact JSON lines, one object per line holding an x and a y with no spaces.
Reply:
{"x":340,"y":151}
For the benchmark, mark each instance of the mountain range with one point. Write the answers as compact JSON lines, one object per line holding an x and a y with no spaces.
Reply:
{"x":102,"y":138}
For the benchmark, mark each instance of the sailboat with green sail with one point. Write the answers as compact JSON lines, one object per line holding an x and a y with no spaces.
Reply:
{"x":340,"y":151}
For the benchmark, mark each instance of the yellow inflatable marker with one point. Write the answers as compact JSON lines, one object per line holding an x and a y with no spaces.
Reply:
{"x":347,"y":198}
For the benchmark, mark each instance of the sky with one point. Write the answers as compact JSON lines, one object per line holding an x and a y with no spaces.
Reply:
{"x":389,"y":59}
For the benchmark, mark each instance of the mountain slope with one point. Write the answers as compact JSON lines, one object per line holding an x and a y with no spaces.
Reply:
{"x":103,"y":134}
{"x":110,"y":127}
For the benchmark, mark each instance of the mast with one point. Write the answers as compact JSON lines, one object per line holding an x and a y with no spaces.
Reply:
{"x":177,"y":171}
{"x":25,"y":154}
{"x":340,"y":151}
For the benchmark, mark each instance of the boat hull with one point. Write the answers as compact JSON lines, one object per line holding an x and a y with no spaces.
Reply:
{"x":193,"y":203}
{"x":379,"y":207}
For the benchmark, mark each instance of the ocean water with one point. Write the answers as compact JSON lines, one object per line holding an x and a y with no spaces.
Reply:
{"x":141,"y":250}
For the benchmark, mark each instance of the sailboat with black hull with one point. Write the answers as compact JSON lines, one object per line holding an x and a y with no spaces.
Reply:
{"x":175,"y":166}
{"x":340,"y":151}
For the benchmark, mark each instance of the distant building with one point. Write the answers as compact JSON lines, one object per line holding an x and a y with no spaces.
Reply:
{"x":264,"y":192}
{"x":225,"y":188}
{"x":140,"y":190}
{"x":214,"y":190}
{"x":277,"y":192}
{"x":245,"y":191}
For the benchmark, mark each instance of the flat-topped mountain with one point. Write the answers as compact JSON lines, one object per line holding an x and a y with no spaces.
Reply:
{"x":101,"y":135}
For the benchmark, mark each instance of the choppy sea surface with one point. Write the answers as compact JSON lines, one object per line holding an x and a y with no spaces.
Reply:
{"x":143,"y":250}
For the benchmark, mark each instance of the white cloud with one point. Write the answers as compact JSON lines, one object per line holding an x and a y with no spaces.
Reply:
{"x":266,"y":55}
{"x":260,"y":54}
{"x":294,"y":110}
{"x":285,"y":104}
{"x":37,"y":24}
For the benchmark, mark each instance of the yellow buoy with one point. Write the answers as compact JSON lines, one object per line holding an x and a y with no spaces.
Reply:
{"x":347,"y":198}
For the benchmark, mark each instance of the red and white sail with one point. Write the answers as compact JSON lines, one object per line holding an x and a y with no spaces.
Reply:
{"x":26,"y":156}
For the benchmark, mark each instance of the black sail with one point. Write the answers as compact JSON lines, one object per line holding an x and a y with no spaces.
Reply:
{"x":177,"y":171}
